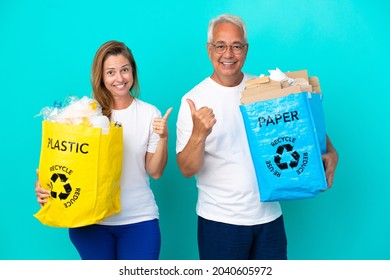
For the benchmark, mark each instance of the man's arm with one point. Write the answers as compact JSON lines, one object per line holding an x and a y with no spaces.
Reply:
{"x":191,"y":158}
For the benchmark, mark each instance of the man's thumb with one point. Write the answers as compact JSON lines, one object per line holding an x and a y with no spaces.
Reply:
{"x":192,"y":105}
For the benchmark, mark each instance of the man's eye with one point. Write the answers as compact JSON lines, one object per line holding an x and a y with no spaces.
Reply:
{"x":220,"y":47}
{"x":237,"y":47}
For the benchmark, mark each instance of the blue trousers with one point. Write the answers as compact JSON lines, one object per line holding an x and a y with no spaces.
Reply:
{"x":139,"y":241}
{"x":220,"y":241}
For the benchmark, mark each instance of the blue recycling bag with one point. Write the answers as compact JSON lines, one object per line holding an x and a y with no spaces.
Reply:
{"x":286,"y":137}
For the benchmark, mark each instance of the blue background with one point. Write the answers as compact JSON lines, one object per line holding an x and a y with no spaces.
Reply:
{"x":46,"y":50}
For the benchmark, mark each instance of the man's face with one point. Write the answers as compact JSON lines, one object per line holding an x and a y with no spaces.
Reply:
{"x":227,"y":66}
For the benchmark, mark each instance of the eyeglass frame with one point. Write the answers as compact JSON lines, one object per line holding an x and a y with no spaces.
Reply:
{"x":229,"y":46}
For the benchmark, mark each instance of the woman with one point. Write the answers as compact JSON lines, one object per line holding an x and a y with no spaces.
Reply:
{"x":134,"y":233}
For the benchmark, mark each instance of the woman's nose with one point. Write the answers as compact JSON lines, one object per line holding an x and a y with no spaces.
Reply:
{"x":119,"y":77}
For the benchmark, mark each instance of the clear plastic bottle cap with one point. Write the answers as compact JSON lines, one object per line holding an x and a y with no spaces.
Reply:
{"x":57,"y":104}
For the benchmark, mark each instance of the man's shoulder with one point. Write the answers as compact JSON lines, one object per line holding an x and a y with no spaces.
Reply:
{"x":198,"y":87}
{"x":205,"y":82}
{"x":249,"y":76}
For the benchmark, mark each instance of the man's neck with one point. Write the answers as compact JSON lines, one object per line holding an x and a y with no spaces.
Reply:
{"x":229,"y":81}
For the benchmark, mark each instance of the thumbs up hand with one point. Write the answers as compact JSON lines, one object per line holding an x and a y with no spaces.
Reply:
{"x":203,"y":119}
{"x":160,"y":125}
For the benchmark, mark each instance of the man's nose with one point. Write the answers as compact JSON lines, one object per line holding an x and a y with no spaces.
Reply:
{"x":229,"y":51}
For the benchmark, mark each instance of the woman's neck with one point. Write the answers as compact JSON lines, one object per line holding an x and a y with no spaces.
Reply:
{"x":123,"y":102}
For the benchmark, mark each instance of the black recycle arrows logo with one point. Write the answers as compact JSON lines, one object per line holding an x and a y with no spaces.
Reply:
{"x":59,"y":181}
{"x":283,"y":149}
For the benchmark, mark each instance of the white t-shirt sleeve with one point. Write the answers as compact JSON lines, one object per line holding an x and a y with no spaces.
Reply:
{"x":154,"y":137}
{"x":184,"y":125}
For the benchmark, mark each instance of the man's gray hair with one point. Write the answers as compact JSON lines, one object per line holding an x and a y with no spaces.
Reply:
{"x":236,"y":20}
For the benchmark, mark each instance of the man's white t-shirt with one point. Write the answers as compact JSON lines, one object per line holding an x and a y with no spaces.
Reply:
{"x":227,"y":184}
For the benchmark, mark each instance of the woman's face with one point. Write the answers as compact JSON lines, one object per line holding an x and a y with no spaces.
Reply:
{"x":117,"y":75}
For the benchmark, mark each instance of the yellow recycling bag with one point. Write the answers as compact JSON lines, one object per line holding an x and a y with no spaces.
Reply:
{"x":82,"y":168}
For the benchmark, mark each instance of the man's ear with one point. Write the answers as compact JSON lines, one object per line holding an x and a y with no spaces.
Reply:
{"x":208,"y":47}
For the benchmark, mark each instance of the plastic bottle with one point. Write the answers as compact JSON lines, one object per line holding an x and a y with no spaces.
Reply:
{"x":57,"y":105}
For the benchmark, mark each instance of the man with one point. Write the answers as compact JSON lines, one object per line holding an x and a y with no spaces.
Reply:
{"x":212,"y":145}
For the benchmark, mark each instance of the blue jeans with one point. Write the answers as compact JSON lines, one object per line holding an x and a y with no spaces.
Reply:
{"x":139,"y":241}
{"x":220,"y":241}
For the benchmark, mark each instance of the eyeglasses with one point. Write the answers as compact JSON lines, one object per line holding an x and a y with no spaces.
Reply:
{"x":221,"y":48}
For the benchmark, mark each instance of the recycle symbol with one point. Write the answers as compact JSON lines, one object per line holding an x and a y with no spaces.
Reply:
{"x":283,"y":149}
{"x":58,"y":182}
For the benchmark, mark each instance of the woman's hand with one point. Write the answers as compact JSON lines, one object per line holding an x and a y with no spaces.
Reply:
{"x":41,"y":193}
{"x":160,"y":125}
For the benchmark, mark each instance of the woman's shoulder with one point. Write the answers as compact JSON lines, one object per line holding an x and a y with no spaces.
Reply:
{"x":147,"y":107}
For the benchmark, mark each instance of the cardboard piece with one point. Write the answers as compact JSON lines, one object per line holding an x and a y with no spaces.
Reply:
{"x":263,"y":88}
